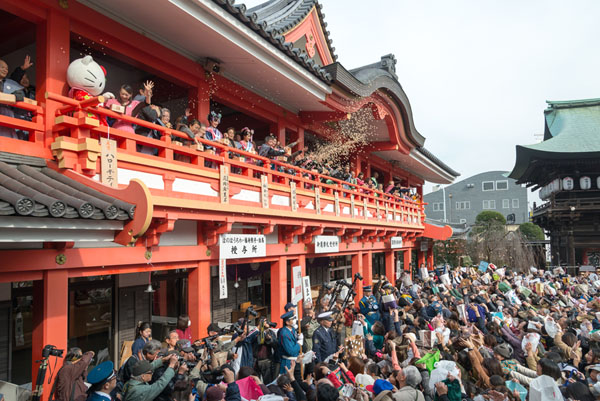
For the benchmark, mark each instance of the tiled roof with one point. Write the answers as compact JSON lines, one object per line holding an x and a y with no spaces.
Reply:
{"x":281,"y":16}
{"x":239,"y":11}
{"x":572,"y":131}
{"x":32,"y":190}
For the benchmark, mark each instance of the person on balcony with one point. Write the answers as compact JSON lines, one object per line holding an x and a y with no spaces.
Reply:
{"x":246,"y":144}
{"x":268,"y":148}
{"x":212,"y":132}
{"x":125,"y":100}
{"x":165,"y":118}
{"x":150,"y":113}
{"x":9,"y":86}
{"x":20,"y":75}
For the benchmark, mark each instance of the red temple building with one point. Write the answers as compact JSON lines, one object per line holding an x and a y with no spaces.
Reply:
{"x":85,"y":228}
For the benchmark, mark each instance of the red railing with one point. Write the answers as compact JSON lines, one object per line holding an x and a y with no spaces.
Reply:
{"x":81,"y":120}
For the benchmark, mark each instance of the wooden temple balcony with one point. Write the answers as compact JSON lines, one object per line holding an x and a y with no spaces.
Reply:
{"x":211,"y":186}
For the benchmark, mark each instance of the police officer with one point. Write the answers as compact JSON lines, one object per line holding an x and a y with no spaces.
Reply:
{"x":368,"y":305}
{"x":289,"y":342}
{"x":103,"y":380}
{"x":324,"y":338}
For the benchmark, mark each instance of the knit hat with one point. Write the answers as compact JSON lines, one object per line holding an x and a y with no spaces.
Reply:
{"x":504,"y":350}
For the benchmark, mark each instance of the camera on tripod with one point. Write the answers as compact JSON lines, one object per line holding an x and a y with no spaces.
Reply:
{"x":51,"y":350}
{"x":250,"y":311}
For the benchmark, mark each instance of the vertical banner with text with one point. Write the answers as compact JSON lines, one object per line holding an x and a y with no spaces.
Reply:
{"x":108,"y":162}
{"x":297,"y":283}
{"x":222,"y":278}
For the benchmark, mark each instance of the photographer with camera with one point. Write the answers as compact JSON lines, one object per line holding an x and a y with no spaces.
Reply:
{"x":138,"y":387}
{"x":266,"y":341}
{"x":167,"y":393}
{"x":69,"y":384}
{"x":149,"y":353}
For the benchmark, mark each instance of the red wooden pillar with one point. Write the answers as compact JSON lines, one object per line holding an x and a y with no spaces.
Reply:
{"x":278,"y":289}
{"x":420,"y":257}
{"x":430,"y":260}
{"x":52,"y":61}
{"x":390,"y":266}
{"x":300,"y":261}
{"x":50,"y":319}
{"x":357,"y":267}
{"x":199,"y":101}
{"x":278,"y":130}
{"x":368,"y":268}
{"x":199,"y":299}
{"x":407,"y":259}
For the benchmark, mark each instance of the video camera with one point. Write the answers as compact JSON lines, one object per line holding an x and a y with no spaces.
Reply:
{"x":51,"y":350}
{"x":215,"y":376}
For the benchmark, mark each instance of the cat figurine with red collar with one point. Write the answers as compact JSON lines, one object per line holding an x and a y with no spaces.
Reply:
{"x":86,"y":79}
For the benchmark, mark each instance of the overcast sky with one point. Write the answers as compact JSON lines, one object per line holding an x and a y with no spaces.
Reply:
{"x":477,"y":73}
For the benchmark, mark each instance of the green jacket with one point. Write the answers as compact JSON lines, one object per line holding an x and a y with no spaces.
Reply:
{"x":308,"y":335}
{"x":139,"y":391}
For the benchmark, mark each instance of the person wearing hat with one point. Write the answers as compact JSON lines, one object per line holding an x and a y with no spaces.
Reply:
{"x":368,"y":305}
{"x":324,"y":338}
{"x":103,"y":380}
{"x":382,"y":389}
{"x":69,"y":384}
{"x":289,"y":341}
{"x":513,"y":369}
{"x":290,"y":307}
{"x":149,"y":353}
{"x":308,"y":325}
{"x":138,"y":389}
{"x":407,"y":380}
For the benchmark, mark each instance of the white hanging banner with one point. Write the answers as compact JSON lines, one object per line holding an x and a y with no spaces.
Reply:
{"x":238,"y":246}
{"x":306,"y":289}
{"x":222,"y":279}
{"x":297,"y":283}
{"x":327,"y":243}
{"x":396,"y":242}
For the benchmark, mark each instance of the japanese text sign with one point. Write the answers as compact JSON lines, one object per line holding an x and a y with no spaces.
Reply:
{"x":396,"y":242}
{"x":237,"y":246}
{"x":297,"y":283}
{"x":327,"y":243}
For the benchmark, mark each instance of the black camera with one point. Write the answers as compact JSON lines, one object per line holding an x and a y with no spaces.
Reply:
{"x":51,"y":350}
{"x":215,"y":376}
{"x":358,"y":276}
{"x":272,"y":324}
{"x":251,"y":311}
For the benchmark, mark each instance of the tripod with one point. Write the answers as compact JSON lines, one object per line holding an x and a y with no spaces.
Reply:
{"x":351,"y":293}
{"x":49,"y":350}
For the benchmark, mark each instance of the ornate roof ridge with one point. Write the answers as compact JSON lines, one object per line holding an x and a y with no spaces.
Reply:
{"x":283,"y":15}
{"x":239,"y":11}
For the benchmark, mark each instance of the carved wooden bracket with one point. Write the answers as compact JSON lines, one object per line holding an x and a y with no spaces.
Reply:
{"x":288,"y":234}
{"x":311,"y":233}
{"x":212,"y":230}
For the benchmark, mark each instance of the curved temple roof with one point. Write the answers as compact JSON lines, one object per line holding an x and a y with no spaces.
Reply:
{"x":572,"y":131}
{"x":282,"y":16}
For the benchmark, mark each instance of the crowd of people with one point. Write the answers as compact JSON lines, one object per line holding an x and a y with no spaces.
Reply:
{"x":139,"y":105}
{"x":448,"y":335}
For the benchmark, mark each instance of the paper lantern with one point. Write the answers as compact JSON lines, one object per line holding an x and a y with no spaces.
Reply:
{"x":568,"y":183}
{"x":585,"y":182}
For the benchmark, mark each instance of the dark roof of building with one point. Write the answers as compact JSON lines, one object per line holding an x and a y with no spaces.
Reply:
{"x":252,"y":21}
{"x":571,"y":132}
{"x":29,"y":188}
{"x":282,"y":16}
{"x":437,"y":161}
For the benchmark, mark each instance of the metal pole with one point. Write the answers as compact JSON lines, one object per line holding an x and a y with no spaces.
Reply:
{"x":444,"y":195}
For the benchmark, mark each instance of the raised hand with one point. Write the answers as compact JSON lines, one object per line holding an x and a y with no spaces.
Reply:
{"x":27,"y":62}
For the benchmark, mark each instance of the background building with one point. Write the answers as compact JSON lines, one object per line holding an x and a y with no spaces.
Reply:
{"x":565,"y":166}
{"x":462,"y":201}
{"x":82,"y":267}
